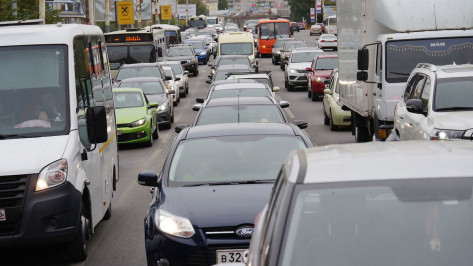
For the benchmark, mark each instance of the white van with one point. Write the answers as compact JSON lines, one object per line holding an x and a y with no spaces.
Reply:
{"x":330,"y":24}
{"x":58,"y":144}
{"x":237,"y":43}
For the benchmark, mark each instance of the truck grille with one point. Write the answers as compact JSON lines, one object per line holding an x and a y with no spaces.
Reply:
{"x":12,"y":196}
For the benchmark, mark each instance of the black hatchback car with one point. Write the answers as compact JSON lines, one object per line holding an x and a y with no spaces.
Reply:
{"x":215,"y":180}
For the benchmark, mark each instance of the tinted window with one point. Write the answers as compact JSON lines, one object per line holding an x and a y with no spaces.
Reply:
{"x":326,"y":63}
{"x":127,"y":99}
{"x":236,"y":48}
{"x":146,"y":87}
{"x":454,"y":92}
{"x":304,"y":56}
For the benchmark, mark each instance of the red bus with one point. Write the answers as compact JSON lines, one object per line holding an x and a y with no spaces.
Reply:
{"x":269,"y":30}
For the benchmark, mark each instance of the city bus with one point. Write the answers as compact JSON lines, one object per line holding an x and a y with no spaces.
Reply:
{"x":269,"y":30}
{"x":172,"y":33}
{"x":134,"y":46}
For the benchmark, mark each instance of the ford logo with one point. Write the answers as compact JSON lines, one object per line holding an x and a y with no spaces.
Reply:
{"x":244,"y":231}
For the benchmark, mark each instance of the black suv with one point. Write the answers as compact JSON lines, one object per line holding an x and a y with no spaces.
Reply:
{"x":186,"y":55}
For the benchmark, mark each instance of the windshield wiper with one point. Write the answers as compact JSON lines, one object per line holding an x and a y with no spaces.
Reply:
{"x":458,"y":108}
{"x":15,"y":136}
{"x":398,"y":73}
{"x":262,"y":181}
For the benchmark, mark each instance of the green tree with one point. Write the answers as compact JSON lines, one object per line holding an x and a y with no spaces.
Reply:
{"x":300,"y":9}
{"x":6,"y":10}
{"x":222,"y":4}
{"x":26,"y":9}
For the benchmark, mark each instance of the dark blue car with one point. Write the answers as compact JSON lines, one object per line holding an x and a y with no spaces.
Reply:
{"x":200,"y":50}
{"x":215,"y":180}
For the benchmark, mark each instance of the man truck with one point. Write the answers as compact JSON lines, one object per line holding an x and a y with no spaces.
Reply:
{"x":381,"y":41}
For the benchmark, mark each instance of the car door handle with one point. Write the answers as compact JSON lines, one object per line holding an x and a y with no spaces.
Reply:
{"x":401,"y":117}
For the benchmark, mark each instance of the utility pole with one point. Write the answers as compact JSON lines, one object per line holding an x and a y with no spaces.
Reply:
{"x":91,"y":12}
{"x":107,"y":15}
{"x":42,"y":9}
{"x":139,"y":13}
{"x":177,"y":15}
{"x":187,"y":13}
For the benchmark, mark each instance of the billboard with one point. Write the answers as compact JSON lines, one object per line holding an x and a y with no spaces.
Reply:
{"x":181,"y":11}
{"x":100,"y":10}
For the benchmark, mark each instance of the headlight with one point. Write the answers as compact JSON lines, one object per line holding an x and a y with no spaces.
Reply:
{"x":52,"y":175}
{"x":318,"y":79}
{"x":203,"y":53}
{"x":173,"y":225}
{"x":162,"y":107}
{"x":138,"y":123}
{"x":278,"y":52}
{"x":445,"y":134}
{"x":293,"y":71}
{"x":177,"y":83}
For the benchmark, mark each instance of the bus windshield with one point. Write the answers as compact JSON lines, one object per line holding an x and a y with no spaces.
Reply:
{"x":125,"y":54}
{"x":200,"y":24}
{"x":274,"y":30}
{"x":238,"y":48}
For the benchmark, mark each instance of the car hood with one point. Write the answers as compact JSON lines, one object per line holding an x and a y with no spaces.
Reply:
{"x":198,"y":51}
{"x":128,"y":115}
{"x":157,"y":98}
{"x":180,"y":58}
{"x":217,"y":206}
{"x":30,"y":155}
{"x":300,"y":66}
{"x":460,"y":120}
{"x":323,"y":73}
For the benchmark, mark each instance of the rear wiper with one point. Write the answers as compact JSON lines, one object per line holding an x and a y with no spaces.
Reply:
{"x":458,"y":108}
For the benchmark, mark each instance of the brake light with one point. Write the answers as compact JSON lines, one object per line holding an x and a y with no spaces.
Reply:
{"x":322,"y":41}
{"x":335,"y":41}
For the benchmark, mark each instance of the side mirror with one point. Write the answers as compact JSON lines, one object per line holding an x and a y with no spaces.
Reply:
{"x":210,"y":76}
{"x":284,"y":104}
{"x":200,"y":100}
{"x":327,"y":81}
{"x":178,"y":78}
{"x":180,"y":127}
{"x":186,"y":72}
{"x":97,"y":124}
{"x":148,"y":178}
{"x":362,"y":75}
{"x":152,"y":105}
{"x":415,"y":106}
{"x":308,"y":69}
{"x":256,"y":69}
{"x":272,"y":46}
{"x":196,"y":107}
{"x":168,"y":78}
{"x":328,"y":92}
{"x":300,"y":124}
{"x":276,"y":89}
{"x":363,"y":59}
{"x":257,"y":61}
{"x":208,"y":81}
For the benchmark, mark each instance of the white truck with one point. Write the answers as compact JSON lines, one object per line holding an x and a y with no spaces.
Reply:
{"x":381,"y":41}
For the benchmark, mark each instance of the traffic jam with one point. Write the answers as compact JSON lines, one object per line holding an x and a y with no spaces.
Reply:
{"x":255,"y":141}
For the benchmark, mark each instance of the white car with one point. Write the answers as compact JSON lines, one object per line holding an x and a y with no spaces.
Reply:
{"x":295,"y":73}
{"x":437,"y":104}
{"x":174,"y":83}
{"x":328,"y":41}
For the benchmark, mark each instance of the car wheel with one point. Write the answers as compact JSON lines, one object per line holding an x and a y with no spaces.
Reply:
{"x":187,"y":90}
{"x":205,"y":62}
{"x":196,"y":73}
{"x":272,"y":60}
{"x":156,"y":132}
{"x":314,"y":97}
{"x":333,"y":127}
{"x":309,"y":94}
{"x":149,"y":143}
{"x":178,"y":99}
{"x":282,"y":66}
{"x":108,"y":213}
{"x":183,"y":94}
{"x":77,"y":249}
{"x":172,"y":118}
{"x":326,"y":118}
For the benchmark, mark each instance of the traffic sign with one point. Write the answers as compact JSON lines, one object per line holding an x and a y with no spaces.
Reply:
{"x":166,"y":12}
{"x":124,"y":11}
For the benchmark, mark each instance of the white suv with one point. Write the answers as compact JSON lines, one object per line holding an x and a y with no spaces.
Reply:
{"x":437,"y":103}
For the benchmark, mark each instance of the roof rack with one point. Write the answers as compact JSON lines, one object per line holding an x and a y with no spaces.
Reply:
{"x":22,"y":22}
{"x":431,"y":67}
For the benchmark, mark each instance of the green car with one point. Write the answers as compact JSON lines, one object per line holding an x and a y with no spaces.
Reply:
{"x":333,"y":113}
{"x":136,"y":117}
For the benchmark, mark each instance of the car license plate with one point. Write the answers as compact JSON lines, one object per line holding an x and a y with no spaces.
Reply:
{"x":231,"y":255}
{"x":119,"y":132}
{"x":3,"y":217}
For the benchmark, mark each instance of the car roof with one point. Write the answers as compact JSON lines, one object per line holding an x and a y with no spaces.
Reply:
{"x":327,"y":56}
{"x":306,"y":49}
{"x":239,"y":101}
{"x":141,"y":79}
{"x":232,"y":56}
{"x":236,"y":86}
{"x":127,"y":89}
{"x":232,"y":81}
{"x":138,"y":65}
{"x":387,"y":161}
{"x":239,"y":129}
{"x":170,"y":62}
{"x":449,"y":71}
{"x":232,"y":67}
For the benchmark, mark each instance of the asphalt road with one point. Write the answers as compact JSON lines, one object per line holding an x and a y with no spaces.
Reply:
{"x":120,"y":240}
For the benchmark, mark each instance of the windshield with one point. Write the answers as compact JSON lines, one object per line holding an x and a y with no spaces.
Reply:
{"x":147,"y":87}
{"x":180,"y":52}
{"x":176,"y":68}
{"x":234,"y":61}
{"x":326,"y":63}
{"x":239,"y":48}
{"x":403,"y":56}
{"x":454,"y":92}
{"x":130,"y":54}
{"x":200,"y":24}
{"x":196,"y":45}
{"x":222,"y":74}
{"x":240,"y":113}
{"x":332,"y":21}
{"x":257,"y":157}
{"x":392,"y":223}
{"x":280,"y":43}
{"x":274,"y":30}
{"x":304,"y":56}
{"x":135,"y":72}
{"x":212,"y":21}
{"x":240,"y":93}
{"x":33,"y":91}
{"x":127,"y":100}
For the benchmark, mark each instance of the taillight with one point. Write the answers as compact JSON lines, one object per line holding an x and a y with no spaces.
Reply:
{"x":335,"y":41}
{"x":322,"y":41}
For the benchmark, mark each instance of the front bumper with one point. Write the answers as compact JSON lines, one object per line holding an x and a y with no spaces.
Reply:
{"x":38,"y":218}
{"x":189,"y":66}
{"x":318,"y":87}
{"x":164,"y":117}
{"x":299,"y":79}
{"x":202,"y":58}
{"x":340,"y":117}
{"x":134,"y":134}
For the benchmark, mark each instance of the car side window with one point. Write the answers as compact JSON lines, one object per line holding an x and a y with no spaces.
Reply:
{"x":410,"y":84}
{"x":426,"y":95}
{"x":418,"y":87}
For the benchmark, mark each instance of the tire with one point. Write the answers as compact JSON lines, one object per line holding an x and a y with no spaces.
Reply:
{"x":272,"y":60}
{"x":309,"y":94}
{"x":282,"y":66}
{"x":76,"y":250}
{"x":195,"y":73}
{"x":149,"y":143}
{"x":362,"y":133}
{"x":326,"y":118}
{"x":333,"y":127}
{"x":314,"y":97}
{"x":172,"y":118}
{"x":187,"y":90}
{"x":178,"y":99}
{"x":156,"y":132}
{"x":108,"y":213}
